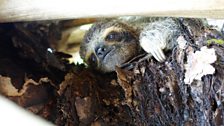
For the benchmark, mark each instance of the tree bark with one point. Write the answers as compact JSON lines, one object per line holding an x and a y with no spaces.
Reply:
{"x":144,"y":92}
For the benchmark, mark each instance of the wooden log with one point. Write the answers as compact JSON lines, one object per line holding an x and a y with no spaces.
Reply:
{"x":30,"y":10}
{"x":11,"y":114}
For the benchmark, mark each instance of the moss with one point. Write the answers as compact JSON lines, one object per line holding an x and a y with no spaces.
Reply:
{"x":216,"y":41}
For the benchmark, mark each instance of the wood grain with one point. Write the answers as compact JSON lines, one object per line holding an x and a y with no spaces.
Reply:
{"x":30,"y":10}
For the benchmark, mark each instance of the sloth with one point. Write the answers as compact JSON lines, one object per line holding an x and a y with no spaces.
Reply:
{"x":111,"y":43}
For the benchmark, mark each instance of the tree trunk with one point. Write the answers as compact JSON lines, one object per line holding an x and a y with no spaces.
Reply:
{"x":145,"y":92}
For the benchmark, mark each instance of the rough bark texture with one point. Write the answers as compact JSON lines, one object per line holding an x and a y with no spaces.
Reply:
{"x":145,"y":92}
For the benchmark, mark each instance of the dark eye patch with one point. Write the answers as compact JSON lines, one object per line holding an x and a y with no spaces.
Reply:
{"x":128,"y":36}
{"x":114,"y":36}
{"x":120,"y":36}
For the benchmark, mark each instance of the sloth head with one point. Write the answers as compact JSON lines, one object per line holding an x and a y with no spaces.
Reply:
{"x":109,"y":44}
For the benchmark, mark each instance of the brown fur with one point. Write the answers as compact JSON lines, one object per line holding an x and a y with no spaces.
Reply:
{"x":121,"y":52}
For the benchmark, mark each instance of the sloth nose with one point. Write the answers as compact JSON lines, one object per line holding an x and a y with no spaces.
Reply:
{"x":101,"y":51}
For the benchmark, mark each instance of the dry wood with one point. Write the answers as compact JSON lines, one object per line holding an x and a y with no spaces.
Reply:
{"x":12,"y":112}
{"x":27,"y":10}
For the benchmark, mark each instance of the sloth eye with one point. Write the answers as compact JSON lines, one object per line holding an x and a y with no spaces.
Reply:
{"x":114,"y":36}
{"x":92,"y":60}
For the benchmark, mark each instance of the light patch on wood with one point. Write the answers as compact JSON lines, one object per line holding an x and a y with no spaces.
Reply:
{"x":7,"y":88}
{"x":199,"y":64}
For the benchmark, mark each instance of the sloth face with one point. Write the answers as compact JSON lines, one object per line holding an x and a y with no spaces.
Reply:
{"x":109,"y":44}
